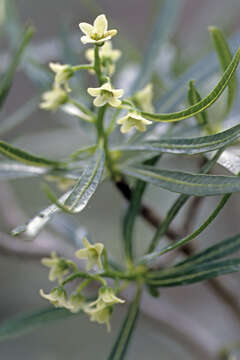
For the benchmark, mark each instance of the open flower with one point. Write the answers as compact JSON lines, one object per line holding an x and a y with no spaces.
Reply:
{"x":106,"y":94}
{"x":143,"y":98}
{"x":58,"y":267}
{"x":76,"y":303}
{"x":106,"y":296}
{"x":57,"y":297}
{"x":101,"y":314}
{"x":98,"y":32}
{"x":107,"y":55}
{"x":63,"y":74}
{"x":92,"y":253}
{"x":53,"y":99}
{"x":131,"y":120}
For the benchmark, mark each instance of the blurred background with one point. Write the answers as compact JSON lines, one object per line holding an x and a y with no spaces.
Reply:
{"x":184,"y":323}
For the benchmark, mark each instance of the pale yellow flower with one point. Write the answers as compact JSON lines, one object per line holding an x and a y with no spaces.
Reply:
{"x":57,"y":297}
{"x":92,"y":253}
{"x":106,"y":94}
{"x":131,"y":120}
{"x":53,"y":99}
{"x":58,"y":267}
{"x":107,"y":55}
{"x":101,"y":314}
{"x":63,"y":74}
{"x":98,"y":32}
{"x":107,"y":296}
{"x":144,"y":97}
{"x":76,"y":303}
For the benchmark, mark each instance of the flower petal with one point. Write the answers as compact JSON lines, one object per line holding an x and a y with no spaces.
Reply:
{"x":82,"y":254}
{"x":94,"y":91}
{"x":100,"y":101}
{"x":114,"y":102}
{"x":118,"y":93}
{"x":100,"y":25}
{"x":86,"y":28}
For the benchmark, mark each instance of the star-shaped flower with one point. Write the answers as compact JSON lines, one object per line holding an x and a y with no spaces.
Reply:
{"x":106,"y":94}
{"x":92,"y":253}
{"x":53,"y":99}
{"x":131,"y":120}
{"x":143,"y":98}
{"x":57,"y":297}
{"x":63,"y":74}
{"x":98,"y":32}
{"x":58,"y":267}
{"x":107,"y":55}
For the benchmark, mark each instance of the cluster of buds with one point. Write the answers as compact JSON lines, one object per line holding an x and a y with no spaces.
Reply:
{"x":99,"y":310}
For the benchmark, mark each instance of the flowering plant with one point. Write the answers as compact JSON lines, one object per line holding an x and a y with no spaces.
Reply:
{"x":131,"y":164}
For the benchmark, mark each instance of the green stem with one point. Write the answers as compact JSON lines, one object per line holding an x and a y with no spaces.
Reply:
{"x":82,"y":67}
{"x":83,"y":285}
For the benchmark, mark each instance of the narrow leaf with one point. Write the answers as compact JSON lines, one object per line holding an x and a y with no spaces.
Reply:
{"x":193,"y":98}
{"x":205,"y":102}
{"x":74,"y":200}
{"x":184,"y":182}
{"x":188,"y":146}
{"x":195,"y":274}
{"x":215,"y":252}
{"x":10,"y":171}
{"x":27,"y":158}
{"x":30,"y":321}
{"x":122,"y":342}
{"x":225,"y":57}
{"x":6,"y":82}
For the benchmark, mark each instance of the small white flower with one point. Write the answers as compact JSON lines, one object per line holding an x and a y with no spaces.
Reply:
{"x":106,"y":94}
{"x":143,"y":98}
{"x":53,"y":99}
{"x":92,"y":253}
{"x":101,"y":314}
{"x":107,"y":55}
{"x":58,"y":267}
{"x":131,"y":120}
{"x":63,"y":74}
{"x":57,"y":297}
{"x":98,"y":32}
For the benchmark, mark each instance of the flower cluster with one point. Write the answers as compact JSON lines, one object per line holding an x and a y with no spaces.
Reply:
{"x":99,"y":310}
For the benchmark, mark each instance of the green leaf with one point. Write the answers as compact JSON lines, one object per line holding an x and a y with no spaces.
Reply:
{"x":85,"y":187}
{"x":73,"y":200}
{"x":7,"y":79}
{"x":193,"y":98}
{"x":224,"y":248}
{"x":188,"y":146}
{"x":164,"y":26}
{"x":225,"y":57}
{"x":122,"y":342}
{"x":27,"y":158}
{"x":11,"y":171}
{"x":30,"y":321}
{"x":155,"y":254}
{"x":184,"y":182}
{"x":184,"y":276}
{"x":178,"y":204}
{"x":205,"y":102}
